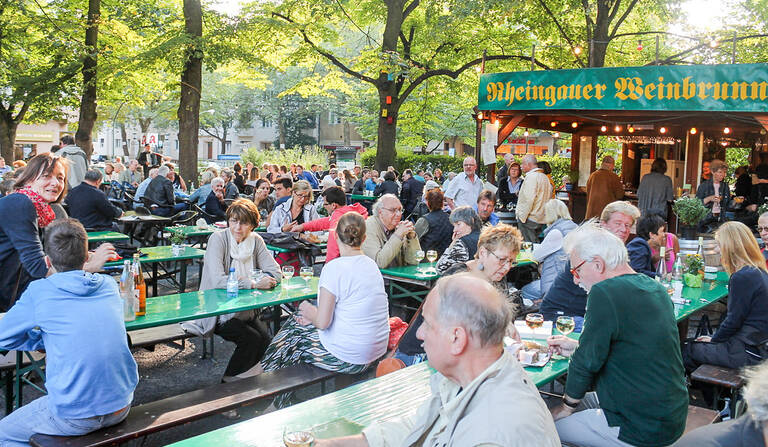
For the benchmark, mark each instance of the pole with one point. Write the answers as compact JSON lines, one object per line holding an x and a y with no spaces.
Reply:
{"x":482,"y":67}
{"x":657,"y":49}
{"x":533,"y":57}
{"x":114,"y":119}
{"x":478,"y":138}
{"x":733,"y":50}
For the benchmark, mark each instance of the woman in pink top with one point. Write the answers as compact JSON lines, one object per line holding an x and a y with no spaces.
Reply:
{"x":335,"y":202}
{"x":671,"y":250}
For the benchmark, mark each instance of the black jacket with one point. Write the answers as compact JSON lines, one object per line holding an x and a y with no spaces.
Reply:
{"x":359,"y":187}
{"x":160,"y":190}
{"x":503,"y":193}
{"x":214,"y":208}
{"x":90,"y":206}
{"x":386,"y":187}
{"x":411,"y":194}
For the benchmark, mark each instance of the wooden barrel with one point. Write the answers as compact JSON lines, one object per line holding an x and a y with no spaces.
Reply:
{"x":507,"y":217}
{"x":711,"y":251}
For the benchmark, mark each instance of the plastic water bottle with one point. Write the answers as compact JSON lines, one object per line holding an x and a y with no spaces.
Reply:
{"x":677,"y":271}
{"x":126,"y":292}
{"x":232,"y":284}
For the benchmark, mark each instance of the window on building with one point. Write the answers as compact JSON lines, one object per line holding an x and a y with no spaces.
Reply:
{"x":334,"y":118}
{"x":265,"y":122}
{"x":227,"y":147}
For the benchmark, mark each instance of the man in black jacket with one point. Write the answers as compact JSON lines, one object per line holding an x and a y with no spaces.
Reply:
{"x":160,"y":194}
{"x":411,"y":192}
{"x":88,"y":204}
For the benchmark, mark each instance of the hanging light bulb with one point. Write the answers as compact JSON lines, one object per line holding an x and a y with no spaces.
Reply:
{"x":662,"y":129}
{"x":603,"y":128}
{"x":556,"y":135}
{"x":617,"y":128}
{"x":631,"y":129}
{"x":639,"y":45}
{"x":525,"y":133}
{"x":727,"y":130}
{"x":577,"y":51}
{"x":553,"y":124}
{"x":693,"y":131}
{"x":480,"y":116}
{"x":574,"y":124}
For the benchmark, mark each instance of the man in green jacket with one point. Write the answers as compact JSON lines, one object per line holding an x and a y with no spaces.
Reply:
{"x":629,"y":351}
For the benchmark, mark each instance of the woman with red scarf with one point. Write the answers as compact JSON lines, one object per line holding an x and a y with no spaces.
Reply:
{"x":23,"y":218}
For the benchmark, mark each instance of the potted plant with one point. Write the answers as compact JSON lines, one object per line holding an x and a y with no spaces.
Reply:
{"x":694,"y":270}
{"x":177,"y":239}
{"x":573,"y":180}
{"x":689,"y":211}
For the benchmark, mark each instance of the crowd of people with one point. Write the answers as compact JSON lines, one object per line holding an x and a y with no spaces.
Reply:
{"x":626,"y":376}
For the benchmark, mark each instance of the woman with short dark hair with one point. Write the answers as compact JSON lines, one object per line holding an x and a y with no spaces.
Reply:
{"x":434,"y":228}
{"x":240,"y":248}
{"x":649,"y":229}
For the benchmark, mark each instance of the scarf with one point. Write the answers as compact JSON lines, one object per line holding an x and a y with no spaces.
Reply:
{"x":45,"y":214}
{"x":241,"y":254}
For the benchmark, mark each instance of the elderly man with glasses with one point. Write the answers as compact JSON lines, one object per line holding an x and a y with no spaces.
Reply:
{"x":629,"y":343}
{"x":388,"y":240}
{"x":465,"y":187}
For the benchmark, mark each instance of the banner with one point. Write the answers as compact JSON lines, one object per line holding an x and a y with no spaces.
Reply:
{"x":711,"y":88}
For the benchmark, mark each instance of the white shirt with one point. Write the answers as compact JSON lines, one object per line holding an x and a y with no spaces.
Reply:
{"x":359,"y":330}
{"x":463,"y":191}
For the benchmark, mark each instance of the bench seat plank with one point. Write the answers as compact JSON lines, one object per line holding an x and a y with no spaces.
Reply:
{"x":177,"y":410}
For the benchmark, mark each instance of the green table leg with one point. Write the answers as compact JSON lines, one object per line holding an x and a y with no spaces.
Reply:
{"x":20,"y":380}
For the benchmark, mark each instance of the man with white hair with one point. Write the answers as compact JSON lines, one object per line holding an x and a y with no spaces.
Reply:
{"x":749,"y":430}
{"x":160,"y":192}
{"x":534,"y":193}
{"x":481,"y":396}
{"x":142,"y":188}
{"x":504,"y":170}
{"x":629,"y":351}
{"x":389,"y":241}
{"x":132,"y":175}
{"x":603,"y":187}
{"x":465,"y":187}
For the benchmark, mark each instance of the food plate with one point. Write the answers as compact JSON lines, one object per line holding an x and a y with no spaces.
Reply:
{"x":533,"y":354}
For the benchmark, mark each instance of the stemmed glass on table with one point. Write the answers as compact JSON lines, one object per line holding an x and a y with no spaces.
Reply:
{"x":256,"y":275}
{"x":432,"y":257}
{"x":565,"y":325}
{"x":306,"y":274}
{"x":288,"y":272}
{"x":418,"y":256}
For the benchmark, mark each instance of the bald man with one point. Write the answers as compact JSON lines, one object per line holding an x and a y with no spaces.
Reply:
{"x":465,"y":187}
{"x":481,"y":396}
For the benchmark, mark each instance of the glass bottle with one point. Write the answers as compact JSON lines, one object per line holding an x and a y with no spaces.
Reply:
{"x":661,"y":270}
{"x":139,"y":287}
{"x":126,"y":292}
{"x":232,"y":286}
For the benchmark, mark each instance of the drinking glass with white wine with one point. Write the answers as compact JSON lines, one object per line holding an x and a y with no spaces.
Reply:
{"x":565,"y":324}
{"x":534,"y":321}
{"x":432,"y":257}
{"x":418,"y":256}
{"x":288,"y":272}
{"x":306,"y":274}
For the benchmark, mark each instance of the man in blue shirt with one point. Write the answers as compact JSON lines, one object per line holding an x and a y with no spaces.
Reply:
{"x":301,"y":174}
{"x":4,"y":167}
{"x":486,"y":202}
{"x":77,"y":318}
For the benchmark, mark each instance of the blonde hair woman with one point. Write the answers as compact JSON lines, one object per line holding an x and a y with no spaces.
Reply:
{"x":747,"y":319}
{"x":550,"y":254}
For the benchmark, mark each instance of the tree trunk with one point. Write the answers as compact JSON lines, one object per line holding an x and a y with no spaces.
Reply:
{"x":281,"y":137}
{"x":83,"y":136}
{"x":144,"y":124}
{"x":124,"y":139}
{"x":223,"y":140}
{"x":387,"y":133}
{"x":8,"y":136}
{"x":191,"y":84}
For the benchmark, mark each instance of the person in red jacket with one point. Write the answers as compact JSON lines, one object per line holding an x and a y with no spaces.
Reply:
{"x":336,"y":205}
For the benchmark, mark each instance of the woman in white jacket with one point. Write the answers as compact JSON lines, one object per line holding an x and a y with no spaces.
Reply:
{"x":296,"y":210}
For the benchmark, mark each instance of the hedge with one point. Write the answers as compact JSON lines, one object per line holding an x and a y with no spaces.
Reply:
{"x":407,"y":160}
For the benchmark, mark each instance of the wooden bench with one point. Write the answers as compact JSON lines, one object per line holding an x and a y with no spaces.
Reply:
{"x":722,"y":379}
{"x":148,"y":338}
{"x":699,"y":417}
{"x":173,"y":411}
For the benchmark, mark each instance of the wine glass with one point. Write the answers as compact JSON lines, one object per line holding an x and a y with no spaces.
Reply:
{"x":565,"y":324}
{"x":306,"y":274}
{"x":256,"y":275}
{"x":298,"y":438}
{"x":287,"y":271}
{"x":534,"y":321}
{"x":418,"y":256}
{"x":432,"y":257}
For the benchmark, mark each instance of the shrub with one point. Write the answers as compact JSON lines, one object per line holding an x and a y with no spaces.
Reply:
{"x":690,"y":210}
{"x":304,"y":157}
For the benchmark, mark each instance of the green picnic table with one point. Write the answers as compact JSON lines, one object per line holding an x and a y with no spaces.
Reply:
{"x":348,"y":411}
{"x":360,"y":198}
{"x":106,"y":236}
{"x":423,"y":275}
{"x":275,"y":249}
{"x":180,"y":307}
{"x":700,"y":297}
{"x":163,"y":253}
